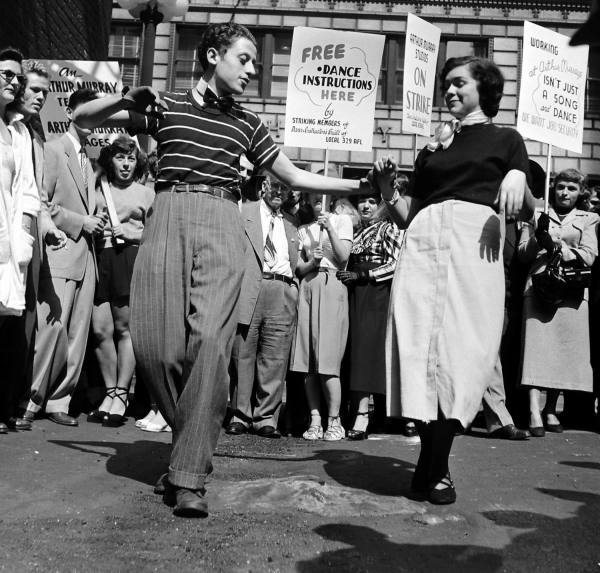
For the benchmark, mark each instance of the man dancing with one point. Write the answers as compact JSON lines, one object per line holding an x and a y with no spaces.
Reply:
{"x":190,"y":264}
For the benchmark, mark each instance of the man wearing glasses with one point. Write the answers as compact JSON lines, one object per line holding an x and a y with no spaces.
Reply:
{"x":267,"y":308}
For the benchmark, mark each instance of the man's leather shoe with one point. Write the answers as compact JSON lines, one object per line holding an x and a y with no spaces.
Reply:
{"x":19,"y":424}
{"x":62,"y":419}
{"x":509,"y":432}
{"x":236,"y":429}
{"x":190,"y":503}
{"x":268,"y":432}
{"x":3,"y":428}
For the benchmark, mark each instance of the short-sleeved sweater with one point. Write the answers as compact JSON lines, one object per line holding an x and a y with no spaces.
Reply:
{"x":199,"y":144}
{"x":472,"y":168}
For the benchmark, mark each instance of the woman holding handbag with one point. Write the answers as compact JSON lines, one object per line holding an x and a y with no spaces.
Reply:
{"x":127,"y":203}
{"x":556,"y":348}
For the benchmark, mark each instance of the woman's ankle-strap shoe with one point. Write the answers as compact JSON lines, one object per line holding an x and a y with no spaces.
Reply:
{"x":444,"y":495}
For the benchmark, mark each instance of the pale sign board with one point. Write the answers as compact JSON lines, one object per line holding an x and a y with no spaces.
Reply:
{"x":552,"y":95}
{"x":67,"y":76}
{"x":420,"y":59}
{"x":332,"y":88}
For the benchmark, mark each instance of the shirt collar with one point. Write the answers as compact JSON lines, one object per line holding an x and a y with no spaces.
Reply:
{"x":75,"y":142}
{"x":266,"y":210}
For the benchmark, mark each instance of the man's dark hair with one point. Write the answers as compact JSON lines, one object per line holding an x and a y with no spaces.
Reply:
{"x":489,"y":78}
{"x":122,"y":144}
{"x":11,"y":54}
{"x":80,"y":96}
{"x":220,"y":37}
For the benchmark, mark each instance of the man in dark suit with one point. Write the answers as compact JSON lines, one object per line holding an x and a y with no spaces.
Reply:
{"x":267,"y":314}
{"x":68,"y":275}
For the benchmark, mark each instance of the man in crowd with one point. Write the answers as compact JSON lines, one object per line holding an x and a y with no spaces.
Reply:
{"x":189,"y":269}
{"x":267,"y":314}
{"x":27,"y":109}
{"x":68,"y":275}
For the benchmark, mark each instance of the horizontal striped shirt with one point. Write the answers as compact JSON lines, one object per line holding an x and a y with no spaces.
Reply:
{"x":378,"y":243}
{"x":199,"y":144}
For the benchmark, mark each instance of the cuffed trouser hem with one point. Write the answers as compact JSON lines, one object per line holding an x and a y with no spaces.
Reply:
{"x":180,"y":478}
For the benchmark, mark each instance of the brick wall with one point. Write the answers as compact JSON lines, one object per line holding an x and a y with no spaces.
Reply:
{"x":57,"y":29}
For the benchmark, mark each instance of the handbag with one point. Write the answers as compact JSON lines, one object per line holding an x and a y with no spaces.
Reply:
{"x":558,"y":282}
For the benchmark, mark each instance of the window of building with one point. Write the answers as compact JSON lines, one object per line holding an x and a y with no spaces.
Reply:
{"x":187,"y":69}
{"x":124,"y":46}
{"x":392,"y":66}
{"x":456,"y":49}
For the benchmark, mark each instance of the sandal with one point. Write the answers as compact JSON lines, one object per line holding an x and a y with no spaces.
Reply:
{"x":356,"y":435}
{"x":335,"y":430}
{"x":444,"y":495}
{"x":314,"y":432}
{"x":98,"y":416}
{"x":116,"y":420}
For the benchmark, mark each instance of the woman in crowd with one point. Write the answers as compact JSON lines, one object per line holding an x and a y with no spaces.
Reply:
{"x":446,"y":303}
{"x":122,"y":163}
{"x":567,"y":231}
{"x":322,"y":326}
{"x":373,"y":257}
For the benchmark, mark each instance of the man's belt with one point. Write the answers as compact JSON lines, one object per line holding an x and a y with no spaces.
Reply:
{"x":276,"y":277}
{"x":201,"y":188}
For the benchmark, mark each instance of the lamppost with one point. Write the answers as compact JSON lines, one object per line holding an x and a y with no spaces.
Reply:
{"x":151,"y":13}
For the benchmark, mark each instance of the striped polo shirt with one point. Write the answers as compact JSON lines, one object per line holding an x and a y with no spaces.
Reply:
{"x":199,"y":144}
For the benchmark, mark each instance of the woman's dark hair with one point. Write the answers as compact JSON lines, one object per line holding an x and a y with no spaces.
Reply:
{"x":489,"y":78}
{"x":573,"y":176}
{"x":220,"y":37}
{"x":122,"y":144}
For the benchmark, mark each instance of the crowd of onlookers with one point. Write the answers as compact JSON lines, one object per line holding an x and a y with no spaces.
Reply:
{"x":308,"y":358}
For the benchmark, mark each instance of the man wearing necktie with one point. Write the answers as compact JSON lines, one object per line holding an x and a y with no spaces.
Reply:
{"x":68,"y":275}
{"x":267,"y":310}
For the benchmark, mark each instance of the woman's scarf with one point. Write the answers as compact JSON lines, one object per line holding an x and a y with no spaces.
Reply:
{"x":444,"y":133}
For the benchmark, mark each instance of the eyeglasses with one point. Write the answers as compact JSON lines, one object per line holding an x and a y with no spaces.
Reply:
{"x":8,"y":76}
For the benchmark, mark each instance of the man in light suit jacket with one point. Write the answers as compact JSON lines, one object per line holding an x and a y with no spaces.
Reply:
{"x":267,"y":308}
{"x":68,"y":275}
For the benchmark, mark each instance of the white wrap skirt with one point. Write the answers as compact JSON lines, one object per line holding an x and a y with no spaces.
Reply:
{"x":446,"y":313}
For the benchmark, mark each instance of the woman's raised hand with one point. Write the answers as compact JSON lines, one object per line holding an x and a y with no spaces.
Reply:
{"x":384,"y":175}
{"x":325,"y":222}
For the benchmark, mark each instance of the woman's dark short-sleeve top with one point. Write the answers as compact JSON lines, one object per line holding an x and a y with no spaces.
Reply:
{"x":472,"y":168}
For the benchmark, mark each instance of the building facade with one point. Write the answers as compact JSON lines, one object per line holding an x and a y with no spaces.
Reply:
{"x":489,"y":28}
{"x":57,"y":29}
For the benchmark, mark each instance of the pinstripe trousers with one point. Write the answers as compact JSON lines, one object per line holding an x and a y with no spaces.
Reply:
{"x":184,"y":294}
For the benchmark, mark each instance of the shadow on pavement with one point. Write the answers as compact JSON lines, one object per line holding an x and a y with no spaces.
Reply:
{"x":376,"y":474}
{"x":585,"y":465}
{"x":142,"y":460}
{"x":549,"y":544}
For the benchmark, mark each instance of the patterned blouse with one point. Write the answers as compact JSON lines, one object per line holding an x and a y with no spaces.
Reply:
{"x":378,"y":243}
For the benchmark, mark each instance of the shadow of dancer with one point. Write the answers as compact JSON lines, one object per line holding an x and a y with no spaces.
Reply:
{"x":550,"y":544}
{"x":142,"y":460}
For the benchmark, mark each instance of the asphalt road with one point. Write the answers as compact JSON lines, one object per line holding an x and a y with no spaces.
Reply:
{"x":80,"y":499}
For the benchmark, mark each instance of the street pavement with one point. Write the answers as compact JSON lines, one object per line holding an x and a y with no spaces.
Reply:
{"x":80,"y":499}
